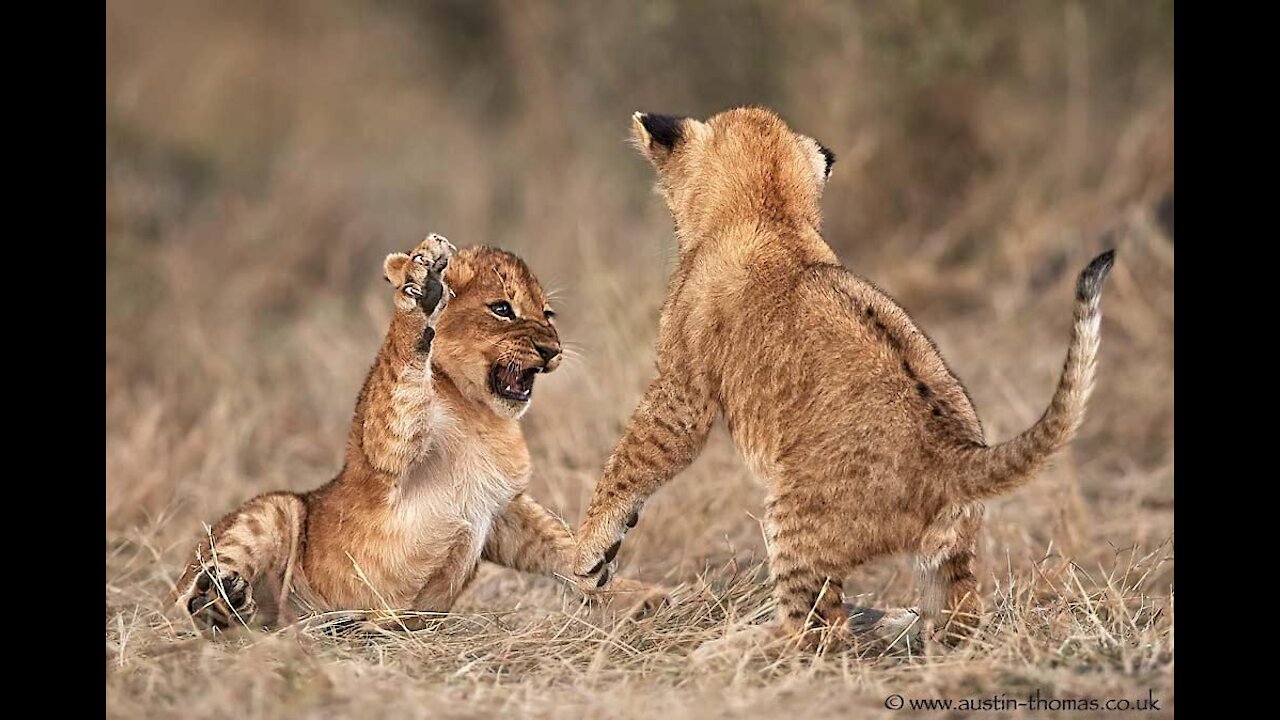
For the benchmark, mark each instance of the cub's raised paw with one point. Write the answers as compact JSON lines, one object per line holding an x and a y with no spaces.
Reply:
{"x":433,"y":253}
{"x":418,"y":276}
{"x":220,"y":602}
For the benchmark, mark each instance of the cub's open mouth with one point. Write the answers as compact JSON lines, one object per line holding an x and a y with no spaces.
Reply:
{"x":511,"y":382}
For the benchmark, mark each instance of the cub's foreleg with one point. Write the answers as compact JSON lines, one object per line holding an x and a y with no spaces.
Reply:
{"x":664,"y":435}
{"x":260,"y":538}
{"x":528,"y":537}
{"x":394,"y":412}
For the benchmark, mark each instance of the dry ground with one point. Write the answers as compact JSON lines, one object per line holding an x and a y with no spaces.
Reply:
{"x":263,"y":157}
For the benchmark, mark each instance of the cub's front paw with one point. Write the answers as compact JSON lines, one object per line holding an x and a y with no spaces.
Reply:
{"x":636,"y":598}
{"x":219,"y":598}
{"x":599,"y":540}
{"x":418,"y":275}
{"x":424,"y":275}
{"x":429,"y":261}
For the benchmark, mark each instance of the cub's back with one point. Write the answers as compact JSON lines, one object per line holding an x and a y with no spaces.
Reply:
{"x":840,"y":363}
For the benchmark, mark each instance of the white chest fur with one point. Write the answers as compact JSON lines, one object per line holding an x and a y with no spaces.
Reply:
{"x":446,"y":503}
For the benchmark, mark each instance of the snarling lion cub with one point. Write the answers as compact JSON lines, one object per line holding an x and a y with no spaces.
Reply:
{"x":865,"y":440}
{"x":435,"y":466}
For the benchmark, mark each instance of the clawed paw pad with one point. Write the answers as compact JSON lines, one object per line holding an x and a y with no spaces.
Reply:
{"x":220,"y":602}
{"x":422,"y":280}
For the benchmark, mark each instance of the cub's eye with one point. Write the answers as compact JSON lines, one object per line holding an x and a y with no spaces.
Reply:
{"x":502,"y":309}
{"x":420,"y":259}
{"x":413,"y":291}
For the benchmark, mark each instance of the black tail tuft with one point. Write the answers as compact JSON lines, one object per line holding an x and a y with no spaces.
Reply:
{"x":1090,"y":283}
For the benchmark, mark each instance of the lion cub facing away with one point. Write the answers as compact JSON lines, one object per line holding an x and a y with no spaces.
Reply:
{"x":866,"y":442}
{"x":435,"y":466}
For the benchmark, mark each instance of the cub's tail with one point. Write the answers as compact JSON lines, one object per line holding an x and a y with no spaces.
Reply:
{"x":990,"y":471}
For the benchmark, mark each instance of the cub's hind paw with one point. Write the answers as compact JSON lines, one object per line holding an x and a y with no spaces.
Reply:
{"x":222,"y":601}
{"x":894,"y":630}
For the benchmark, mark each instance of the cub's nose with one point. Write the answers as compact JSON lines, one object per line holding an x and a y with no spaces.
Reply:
{"x":548,"y":353}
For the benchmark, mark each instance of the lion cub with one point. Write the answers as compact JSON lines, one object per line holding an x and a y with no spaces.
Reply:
{"x":865,"y":440}
{"x":435,"y":466}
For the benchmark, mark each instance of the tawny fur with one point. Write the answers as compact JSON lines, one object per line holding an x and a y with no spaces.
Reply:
{"x":435,"y":466}
{"x":844,"y":409}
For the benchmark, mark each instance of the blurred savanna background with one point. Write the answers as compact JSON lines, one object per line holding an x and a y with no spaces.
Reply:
{"x":262,"y":158}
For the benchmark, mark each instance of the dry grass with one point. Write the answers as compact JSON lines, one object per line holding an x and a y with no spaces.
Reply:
{"x":262,"y":157}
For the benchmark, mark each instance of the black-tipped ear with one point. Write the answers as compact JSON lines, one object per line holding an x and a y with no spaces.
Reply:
{"x":830,"y":156}
{"x":665,"y":130}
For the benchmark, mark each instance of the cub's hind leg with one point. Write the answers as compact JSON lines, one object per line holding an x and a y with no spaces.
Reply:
{"x":810,"y":611}
{"x":950,"y":607}
{"x":260,"y":540}
{"x":949,"y":601}
{"x":810,"y":553}
{"x":810,"y":599}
